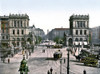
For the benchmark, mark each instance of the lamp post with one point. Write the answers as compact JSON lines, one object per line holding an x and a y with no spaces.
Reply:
{"x":68,"y":61}
{"x":61,"y":66}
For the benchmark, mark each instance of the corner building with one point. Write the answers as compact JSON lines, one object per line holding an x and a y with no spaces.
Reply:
{"x":19,"y":24}
{"x":79,"y":30}
{"x":4,"y":31}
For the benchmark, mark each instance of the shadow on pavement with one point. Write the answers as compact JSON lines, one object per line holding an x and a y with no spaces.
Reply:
{"x":74,"y":61}
{"x":51,"y":59}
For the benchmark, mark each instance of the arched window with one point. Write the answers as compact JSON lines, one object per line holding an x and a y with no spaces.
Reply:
{"x":85,"y":39}
{"x":22,"y":39}
{"x":76,"y":39}
{"x":81,"y":39}
{"x":14,"y":39}
{"x":18,"y":39}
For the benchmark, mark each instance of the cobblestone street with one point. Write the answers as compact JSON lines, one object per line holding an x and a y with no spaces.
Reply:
{"x":39,"y":64}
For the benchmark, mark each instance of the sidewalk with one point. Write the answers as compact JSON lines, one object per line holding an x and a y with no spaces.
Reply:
{"x":16,"y":58}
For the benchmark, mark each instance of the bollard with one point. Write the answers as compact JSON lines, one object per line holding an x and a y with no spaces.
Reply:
{"x":84,"y":72}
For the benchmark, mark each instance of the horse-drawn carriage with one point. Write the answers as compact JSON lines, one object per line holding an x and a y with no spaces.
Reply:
{"x":57,"y":54}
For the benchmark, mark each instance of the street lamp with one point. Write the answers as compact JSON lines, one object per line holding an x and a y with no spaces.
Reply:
{"x":68,"y":61}
{"x":61,"y":66}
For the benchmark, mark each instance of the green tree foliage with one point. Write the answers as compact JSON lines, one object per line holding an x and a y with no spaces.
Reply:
{"x":59,"y":40}
{"x":38,"y":39}
{"x":56,"y":39}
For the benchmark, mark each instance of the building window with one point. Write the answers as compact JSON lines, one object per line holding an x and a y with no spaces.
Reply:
{"x":13,"y":31}
{"x":17,"y":43}
{"x":87,"y":24}
{"x":17,"y":31}
{"x":6,"y":37}
{"x":80,"y":32}
{"x":3,"y":37}
{"x":85,"y":39}
{"x":22,"y":31}
{"x":2,"y":30}
{"x":21,"y":24}
{"x":81,"y":39}
{"x":18,"y":39}
{"x":14,"y":23}
{"x":85,"y":32}
{"x":80,"y":23}
{"x":6,"y":30}
{"x":76,"y":39}
{"x":18,"y":23}
{"x":83,"y":23}
{"x":76,"y":32}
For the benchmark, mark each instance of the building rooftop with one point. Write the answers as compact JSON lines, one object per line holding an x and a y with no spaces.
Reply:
{"x":4,"y":17}
{"x":79,"y":17}
{"x":61,"y":29}
{"x":18,"y":16}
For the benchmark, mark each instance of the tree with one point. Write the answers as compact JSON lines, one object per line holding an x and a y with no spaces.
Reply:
{"x":38,"y":39}
{"x":59,"y":40}
{"x":56,"y":39}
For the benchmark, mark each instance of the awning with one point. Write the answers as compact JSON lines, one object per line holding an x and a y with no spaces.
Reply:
{"x":76,"y":43}
{"x":85,"y":43}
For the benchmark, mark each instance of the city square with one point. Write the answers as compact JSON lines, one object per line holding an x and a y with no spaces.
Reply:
{"x":38,"y":64}
{"x":49,"y":37}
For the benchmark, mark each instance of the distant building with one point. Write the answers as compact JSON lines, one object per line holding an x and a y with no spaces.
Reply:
{"x":39,"y":32}
{"x":95,"y":35}
{"x":32,"y":30}
{"x":4,"y":30}
{"x":0,"y":32}
{"x":57,"y":32}
{"x":79,"y":30}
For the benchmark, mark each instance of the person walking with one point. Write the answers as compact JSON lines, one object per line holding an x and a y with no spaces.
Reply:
{"x":48,"y":72}
{"x":84,"y":72}
{"x":51,"y":70}
{"x":8,"y":60}
{"x":64,"y":60}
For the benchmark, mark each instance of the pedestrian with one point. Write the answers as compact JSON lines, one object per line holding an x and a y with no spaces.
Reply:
{"x":26,"y":55}
{"x":51,"y":70}
{"x":48,"y":72}
{"x":29,"y":52}
{"x":8,"y":60}
{"x":84,"y":72}
{"x":64,"y":60}
{"x":3,"y":60}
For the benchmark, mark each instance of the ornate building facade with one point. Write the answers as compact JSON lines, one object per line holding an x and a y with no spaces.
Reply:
{"x":18,"y":26}
{"x":0,"y":30}
{"x":4,"y":30}
{"x":79,"y":30}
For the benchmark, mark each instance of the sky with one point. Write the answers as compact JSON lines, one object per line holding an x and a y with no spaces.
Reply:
{"x":50,"y":14}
